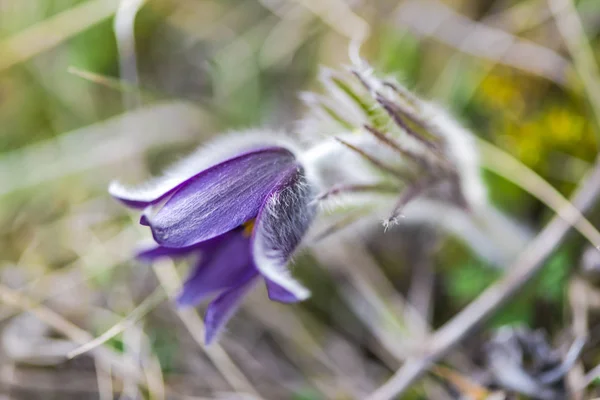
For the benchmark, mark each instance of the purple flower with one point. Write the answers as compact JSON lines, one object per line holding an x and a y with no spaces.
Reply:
{"x":244,"y":216}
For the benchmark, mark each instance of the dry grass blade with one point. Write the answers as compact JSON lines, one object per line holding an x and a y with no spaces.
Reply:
{"x":54,"y":30}
{"x":383,"y":310}
{"x":170,"y":281}
{"x":107,"y":81}
{"x":480,"y":40}
{"x":340,"y":17}
{"x":124,"y":31}
{"x":134,"y":316}
{"x":507,"y":166}
{"x":105,"y":144}
{"x":105,"y":386}
{"x":105,"y":355}
{"x":571,"y":29}
{"x":523,"y":269}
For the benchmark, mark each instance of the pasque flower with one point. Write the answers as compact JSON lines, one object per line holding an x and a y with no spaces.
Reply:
{"x":403,"y":158}
{"x":243,"y":215}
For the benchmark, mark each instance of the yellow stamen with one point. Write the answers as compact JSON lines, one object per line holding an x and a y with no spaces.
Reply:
{"x":248,"y":227}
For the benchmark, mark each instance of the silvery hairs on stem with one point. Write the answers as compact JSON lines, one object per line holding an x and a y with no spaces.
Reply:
{"x":378,"y":148}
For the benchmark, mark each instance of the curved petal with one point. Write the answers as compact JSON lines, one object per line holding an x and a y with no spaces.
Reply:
{"x":223,"y":307}
{"x":280,"y":226}
{"x":280,"y":294}
{"x":158,"y":189}
{"x":148,"y":194}
{"x":158,"y":251}
{"x":144,"y":220}
{"x":225,"y":263}
{"x":220,"y":198}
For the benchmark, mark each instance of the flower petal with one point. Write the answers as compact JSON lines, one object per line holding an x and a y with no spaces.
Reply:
{"x":279,"y":293}
{"x":208,"y":246}
{"x":150,"y":193}
{"x":221,"y":309}
{"x":220,"y":198}
{"x":157,"y":252}
{"x":221,"y":148}
{"x":144,"y":220}
{"x":225,"y":263}
{"x":281,"y":224}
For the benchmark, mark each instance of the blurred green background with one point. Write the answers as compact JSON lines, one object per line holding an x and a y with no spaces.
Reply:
{"x":69,"y":124}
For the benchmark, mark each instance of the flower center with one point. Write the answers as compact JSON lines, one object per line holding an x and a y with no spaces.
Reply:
{"x":248,"y":227}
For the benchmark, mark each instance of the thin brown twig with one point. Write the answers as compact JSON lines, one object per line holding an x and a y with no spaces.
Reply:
{"x":338,"y":225}
{"x":397,"y":115}
{"x":527,"y":265}
{"x":355,"y":188}
{"x":409,"y":193}
{"x":373,"y":160}
{"x":394,"y":145}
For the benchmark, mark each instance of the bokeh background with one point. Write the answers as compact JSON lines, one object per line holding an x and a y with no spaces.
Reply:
{"x":77,"y":110}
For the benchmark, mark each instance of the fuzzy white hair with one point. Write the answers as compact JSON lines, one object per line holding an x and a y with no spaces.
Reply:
{"x":461,"y":151}
{"x":281,"y":227}
{"x":487,"y":231}
{"x":215,"y":151}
